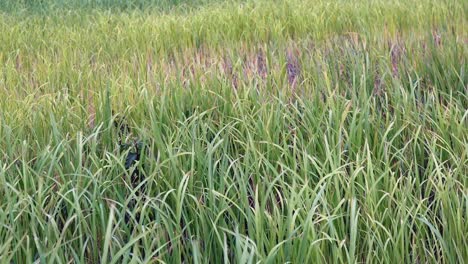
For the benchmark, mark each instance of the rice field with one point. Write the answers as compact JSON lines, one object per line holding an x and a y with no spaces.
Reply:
{"x":212,"y":131}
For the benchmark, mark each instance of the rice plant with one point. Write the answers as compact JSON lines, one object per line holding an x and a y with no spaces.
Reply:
{"x":233,"y":131}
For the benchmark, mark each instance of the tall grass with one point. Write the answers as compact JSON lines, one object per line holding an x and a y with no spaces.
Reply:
{"x":269,"y":131}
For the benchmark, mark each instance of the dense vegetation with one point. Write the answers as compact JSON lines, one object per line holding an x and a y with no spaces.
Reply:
{"x":233,"y":132}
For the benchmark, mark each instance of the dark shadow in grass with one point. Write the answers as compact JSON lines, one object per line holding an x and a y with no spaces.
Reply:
{"x":135,"y":152}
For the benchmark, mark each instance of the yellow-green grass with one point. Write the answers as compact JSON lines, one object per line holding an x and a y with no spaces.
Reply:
{"x":274,"y":131}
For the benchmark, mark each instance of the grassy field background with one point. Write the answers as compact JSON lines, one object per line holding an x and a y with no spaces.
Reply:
{"x":265,"y":131}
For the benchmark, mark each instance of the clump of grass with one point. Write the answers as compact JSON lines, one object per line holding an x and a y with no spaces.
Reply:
{"x":257,"y":132}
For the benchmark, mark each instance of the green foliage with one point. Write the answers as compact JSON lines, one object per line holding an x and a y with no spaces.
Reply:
{"x":272,"y":131}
